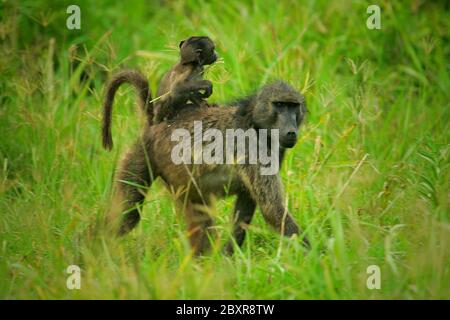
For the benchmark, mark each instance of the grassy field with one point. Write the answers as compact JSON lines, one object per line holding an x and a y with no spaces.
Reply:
{"x":368,"y":180}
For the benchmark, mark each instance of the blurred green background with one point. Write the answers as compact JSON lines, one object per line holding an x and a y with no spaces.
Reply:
{"x":368,"y":180}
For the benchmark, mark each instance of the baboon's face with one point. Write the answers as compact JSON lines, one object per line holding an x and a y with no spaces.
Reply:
{"x":282,"y":108}
{"x":198,"y":49}
{"x":289,"y":117}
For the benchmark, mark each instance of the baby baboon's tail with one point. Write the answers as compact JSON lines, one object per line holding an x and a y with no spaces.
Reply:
{"x":136,"y":79}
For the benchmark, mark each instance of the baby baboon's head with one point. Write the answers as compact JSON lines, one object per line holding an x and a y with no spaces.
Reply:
{"x":199,"y":50}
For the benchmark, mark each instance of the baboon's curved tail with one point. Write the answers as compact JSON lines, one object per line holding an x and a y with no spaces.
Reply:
{"x":138,"y":81}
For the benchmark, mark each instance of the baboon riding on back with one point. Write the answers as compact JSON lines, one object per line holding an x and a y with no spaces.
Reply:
{"x":274,"y":106}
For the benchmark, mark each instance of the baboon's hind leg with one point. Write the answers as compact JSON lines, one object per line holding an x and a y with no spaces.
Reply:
{"x":200,"y":228}
{"x":244,"y":210}
{"x":133,"y":180}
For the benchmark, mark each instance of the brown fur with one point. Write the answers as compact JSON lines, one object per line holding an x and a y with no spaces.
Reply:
{"x":196,"y":184}
{"x":180,"y":85}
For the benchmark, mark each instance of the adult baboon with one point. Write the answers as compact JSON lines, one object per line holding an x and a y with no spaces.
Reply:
{"x":274,"y":106}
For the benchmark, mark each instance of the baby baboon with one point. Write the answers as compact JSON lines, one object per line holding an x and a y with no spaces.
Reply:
{"x":183,"y":83}
{"x":195,"y":53}
{"x":275,"y":106}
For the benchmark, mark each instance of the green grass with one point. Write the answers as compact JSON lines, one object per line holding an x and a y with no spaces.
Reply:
{"x":368,"y":180}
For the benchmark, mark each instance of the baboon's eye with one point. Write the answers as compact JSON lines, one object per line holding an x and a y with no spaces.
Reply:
{"x":292,"y":105}
{"x":283,"y":104}
{"x":278,"y":104}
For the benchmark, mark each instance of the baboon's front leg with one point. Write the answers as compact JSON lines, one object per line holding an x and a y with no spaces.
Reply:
{"x":267,"y":191}
{"x":244,"y":209}
{"x":200,"y":228}
{"x":132,"y":182}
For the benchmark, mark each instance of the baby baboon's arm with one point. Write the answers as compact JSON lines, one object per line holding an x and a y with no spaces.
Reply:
{"x":179,"y":96}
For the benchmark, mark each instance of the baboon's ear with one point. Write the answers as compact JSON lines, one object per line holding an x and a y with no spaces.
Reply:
{"x":181,"y":43}
{"x":189,"y":54}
